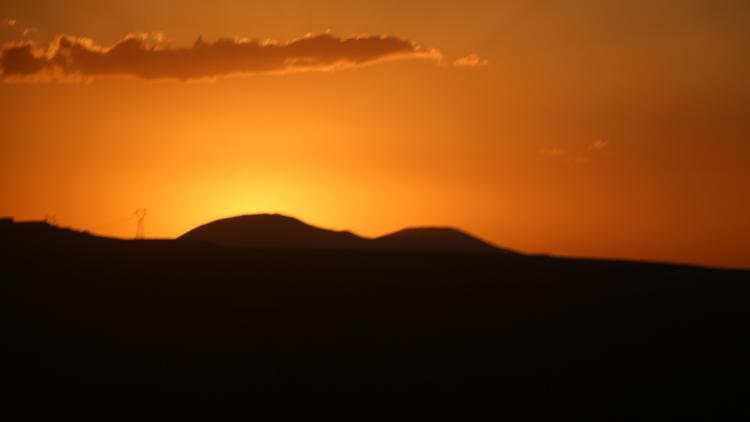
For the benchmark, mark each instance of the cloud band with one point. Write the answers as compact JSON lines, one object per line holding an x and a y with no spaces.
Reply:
{"x":138,"y":56}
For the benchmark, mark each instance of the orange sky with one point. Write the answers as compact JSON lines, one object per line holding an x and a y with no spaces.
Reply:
{"x":580,"y":128}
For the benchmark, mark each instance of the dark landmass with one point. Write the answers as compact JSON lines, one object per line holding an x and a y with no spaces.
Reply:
{"x":435,"y":239}
{"x":274,"y":231}
{"x":93,"y":317}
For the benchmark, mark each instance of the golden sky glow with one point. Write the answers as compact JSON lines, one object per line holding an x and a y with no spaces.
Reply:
{"x":609,"y":129}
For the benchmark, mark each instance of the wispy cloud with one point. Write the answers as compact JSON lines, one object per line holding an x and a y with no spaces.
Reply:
{"x":552,"y":152}
{"x":598,"y":146}
{"x":29,"y":31}
{"x":592,"y":151}
{"x":9,"y":22}
{"x":472,"y":60}
{"x":146,"y":56}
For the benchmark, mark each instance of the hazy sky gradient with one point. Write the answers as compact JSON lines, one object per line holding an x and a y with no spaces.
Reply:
{"x":610,"y":129}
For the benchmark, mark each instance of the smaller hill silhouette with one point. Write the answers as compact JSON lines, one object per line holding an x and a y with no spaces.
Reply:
{"x":275,"y":231}
{"x":434,"y":239}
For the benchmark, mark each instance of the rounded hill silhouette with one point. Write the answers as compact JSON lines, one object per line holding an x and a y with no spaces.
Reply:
{"x":434,"y":239}
{"x":272,"y":231}
{"x":275,"y":231}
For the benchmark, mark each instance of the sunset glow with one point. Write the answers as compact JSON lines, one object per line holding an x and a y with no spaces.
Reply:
{"x":616,"y":129}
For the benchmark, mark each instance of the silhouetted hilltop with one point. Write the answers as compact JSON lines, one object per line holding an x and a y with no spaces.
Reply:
{"x":434,"y":239}
{"x":86,"y":316}
{"x":40,"y":234}
{"x":260,"y":231}
{"x":272,"y":231}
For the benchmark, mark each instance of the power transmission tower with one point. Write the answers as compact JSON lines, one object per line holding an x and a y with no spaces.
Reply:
{"x":140,"y":215}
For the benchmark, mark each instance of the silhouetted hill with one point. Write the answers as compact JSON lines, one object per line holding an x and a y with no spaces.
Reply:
{"x":274,"y":231}
{"x":271,"y":231}
{"x":85,"y":318}
{"x":434,"y":239}
{"x":41,"y":234}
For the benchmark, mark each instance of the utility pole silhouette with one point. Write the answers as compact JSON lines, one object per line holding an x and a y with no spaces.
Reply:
{"x":140,"y":215}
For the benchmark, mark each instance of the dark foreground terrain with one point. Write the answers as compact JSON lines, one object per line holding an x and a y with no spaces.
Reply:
{"x":92,"y":317}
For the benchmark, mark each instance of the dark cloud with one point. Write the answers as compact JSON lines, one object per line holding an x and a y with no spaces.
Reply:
{"x":22,"y":60}
{"x":139,"y":56}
